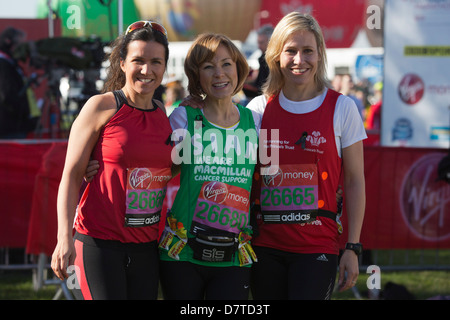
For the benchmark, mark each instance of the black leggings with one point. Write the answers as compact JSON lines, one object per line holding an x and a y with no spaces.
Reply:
{"x":181,"y":280}
{"x":280,"y":275}
{"x":111,"y":270}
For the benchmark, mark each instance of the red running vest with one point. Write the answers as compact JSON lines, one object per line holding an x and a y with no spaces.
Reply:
{"x":135,"y":163}
{"x":309,"y":174}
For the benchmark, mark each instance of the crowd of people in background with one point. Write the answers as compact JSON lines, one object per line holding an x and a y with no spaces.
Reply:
{"x":366,"y":95}
{"x":18,"y":114}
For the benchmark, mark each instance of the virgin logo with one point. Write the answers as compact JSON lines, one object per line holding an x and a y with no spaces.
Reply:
{"x":424,"y":201}
{"x":216,"y":191}
{"x":273,"y":180}
{"x":140,"y":178}
{"x":411,"y":89}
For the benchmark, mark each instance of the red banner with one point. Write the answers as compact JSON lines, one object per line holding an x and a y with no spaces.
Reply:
{"x":340,"y":20}
{"x":407,"y":207}
{"x":35,"y":29}
{"x":41,"y":237}
{"x":22,"y":166}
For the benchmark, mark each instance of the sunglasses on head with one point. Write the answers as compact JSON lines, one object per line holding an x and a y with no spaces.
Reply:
{"x":143,"y":24}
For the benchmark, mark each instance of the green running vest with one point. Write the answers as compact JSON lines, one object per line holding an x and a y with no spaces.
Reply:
{"x":214,"y":195}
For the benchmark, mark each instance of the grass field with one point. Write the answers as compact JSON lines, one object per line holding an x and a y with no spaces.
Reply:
{"x":421,"y":284}
{"x":18,"y":285}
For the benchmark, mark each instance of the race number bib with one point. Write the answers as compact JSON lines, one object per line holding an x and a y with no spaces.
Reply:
{"x":221,"y":206}
{"x":146,"y":189}
{"x":290,"y":194}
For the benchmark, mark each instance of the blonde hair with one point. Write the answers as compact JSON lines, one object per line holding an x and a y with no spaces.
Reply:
{"x":203,"y":50}
{"x":293,"y":22}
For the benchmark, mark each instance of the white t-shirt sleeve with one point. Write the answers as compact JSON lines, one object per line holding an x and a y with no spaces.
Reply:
{"x":258,"y":105}
{"x":257,"y":117}
{"x":348,"y":125}
{"x":179,"y":124}
{"x":178,"y":118}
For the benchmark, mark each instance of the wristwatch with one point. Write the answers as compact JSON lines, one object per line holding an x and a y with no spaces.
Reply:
{"x":356,"y":247}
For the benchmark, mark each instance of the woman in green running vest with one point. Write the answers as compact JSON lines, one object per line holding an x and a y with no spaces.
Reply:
{"x":205,"y":249}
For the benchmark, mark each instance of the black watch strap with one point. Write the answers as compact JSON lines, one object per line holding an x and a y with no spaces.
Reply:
{"x":356,"y":247}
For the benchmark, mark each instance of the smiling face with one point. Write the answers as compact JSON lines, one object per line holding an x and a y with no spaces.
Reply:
{"x":144,"y":66}
{"x":299,"y":61}
{"x":219,"y":77}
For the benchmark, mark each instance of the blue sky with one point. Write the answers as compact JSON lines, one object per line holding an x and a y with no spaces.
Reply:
{"x":24,"y":9}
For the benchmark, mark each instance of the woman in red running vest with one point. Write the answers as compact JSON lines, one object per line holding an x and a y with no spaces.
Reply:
{"x":313,"y":137}
{"x":113,"y":254}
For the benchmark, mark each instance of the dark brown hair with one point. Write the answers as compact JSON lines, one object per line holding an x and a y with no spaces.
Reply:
{"x":115,"y":77}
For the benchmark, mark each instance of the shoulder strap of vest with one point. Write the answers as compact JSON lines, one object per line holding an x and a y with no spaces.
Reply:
{"x":246,"y":116}
{"x":269,"y":99}
{"x":193,"y":115}
{"x":158,"y":104}
{"x":121,"y":99}
{"x":243,"y":110}
{"x":332,"y":96}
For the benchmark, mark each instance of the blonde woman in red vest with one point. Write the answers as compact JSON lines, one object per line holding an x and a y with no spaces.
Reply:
{"x":317,"y":134}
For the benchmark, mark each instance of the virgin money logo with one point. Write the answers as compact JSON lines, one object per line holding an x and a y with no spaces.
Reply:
{"x":140,"y":178}
{"x":273,"y":180}
{"x":424,"y":201}
{"x":215,"y":191}
{"x":411,"y":89}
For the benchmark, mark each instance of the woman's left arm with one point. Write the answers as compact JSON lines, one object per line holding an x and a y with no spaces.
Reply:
{"x":355,"y":202}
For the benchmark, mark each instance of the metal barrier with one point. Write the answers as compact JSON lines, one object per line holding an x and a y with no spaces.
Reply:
{"x":408,"y":260}
{"x":39,"y":265}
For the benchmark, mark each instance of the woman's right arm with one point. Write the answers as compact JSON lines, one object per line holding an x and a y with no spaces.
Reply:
{"x":83,"y":137}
